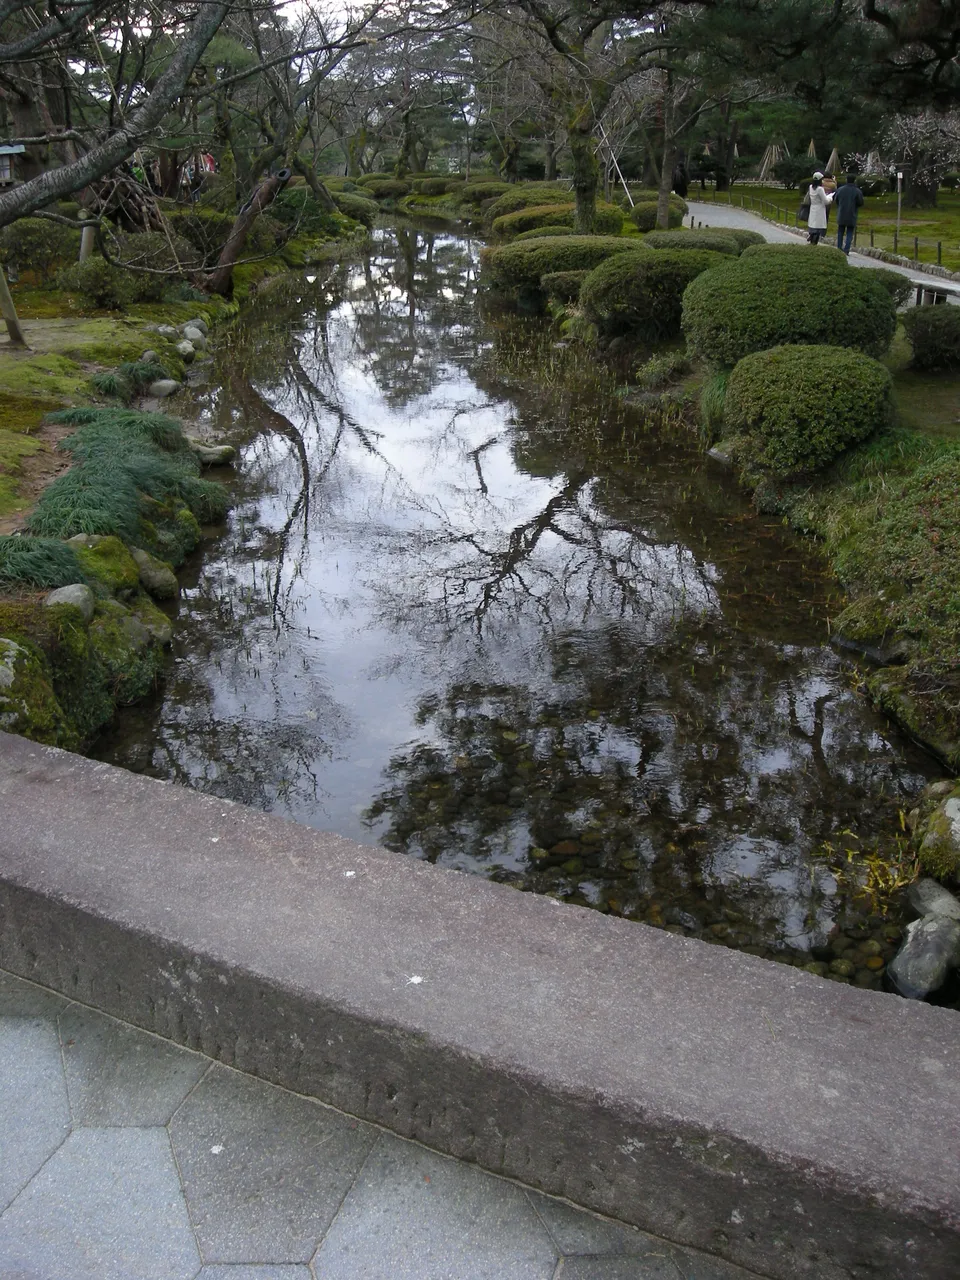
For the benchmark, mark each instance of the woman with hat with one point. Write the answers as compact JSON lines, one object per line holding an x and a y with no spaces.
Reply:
{"x":819,"y":200}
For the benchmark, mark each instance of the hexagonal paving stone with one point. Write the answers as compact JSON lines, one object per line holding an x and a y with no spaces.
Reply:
{"x":106,"y":1206}
{"x":264,"y":1170}
{"x":414,"y":1215}
{"x":118,"y":1075}
{"x":34,"y":1114}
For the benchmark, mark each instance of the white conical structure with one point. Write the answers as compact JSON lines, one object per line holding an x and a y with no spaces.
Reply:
{"x":812,"y":150}
{"x":775,"y":152}
{"x":873,"y":164}
{"x":833,"y":164}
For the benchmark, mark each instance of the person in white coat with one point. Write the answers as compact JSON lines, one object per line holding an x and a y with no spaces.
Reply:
{"x":820,"y":201}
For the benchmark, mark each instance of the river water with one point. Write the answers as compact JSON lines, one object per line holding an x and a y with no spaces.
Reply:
{"x":472,"y":605}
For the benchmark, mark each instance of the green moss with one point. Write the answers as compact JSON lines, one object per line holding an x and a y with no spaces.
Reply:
{"x":46,"y":376}
{"x":130,"y":656}
{"x":13,"y":449}
{"x":23,"y":414}
{"x":78,"y":677}
{"x":28,"y":704}
{"x":153,"y":618}
{"x":939,"y":852}
{"x":109,"y":566}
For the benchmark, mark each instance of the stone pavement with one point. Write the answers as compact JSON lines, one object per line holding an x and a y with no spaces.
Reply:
{"x":126,"y":1157}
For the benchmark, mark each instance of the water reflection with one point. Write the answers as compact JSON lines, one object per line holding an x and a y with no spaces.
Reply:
{"x":508,"y":626}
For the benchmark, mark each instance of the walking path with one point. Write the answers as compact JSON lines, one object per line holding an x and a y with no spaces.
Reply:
{"x":718,"y":215}
{"x":126,"y":1157}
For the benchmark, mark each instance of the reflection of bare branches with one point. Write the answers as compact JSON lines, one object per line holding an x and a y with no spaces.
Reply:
{"x":474,"y":455}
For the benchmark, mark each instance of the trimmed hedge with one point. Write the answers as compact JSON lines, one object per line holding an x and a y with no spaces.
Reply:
{"x":648,"y":195}
{"x":800,"y":406}
{"x":357,"y":207}
{"x":609,"y":219}
{"x":385,"y":188}
{"x":826,"y":254}
{"x":644,"y":216}
{"x":517,"y":268}
{"x":526,"y":196}
{"x":712,"y":238}
{"x":899,"y":287}
{"x":563,"y":285}
{"x":641,"y":293}
{"x":934,"y":334}
{"x":438,"y":184}
{"x":474,"y":191}
{"x":538,"y":233}
{"x":762,"y":300}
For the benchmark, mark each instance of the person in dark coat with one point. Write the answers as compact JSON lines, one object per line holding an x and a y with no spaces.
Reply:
{"x":847,"y":201}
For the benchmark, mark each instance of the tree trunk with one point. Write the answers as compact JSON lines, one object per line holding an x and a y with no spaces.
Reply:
{"x":666,"y":180}
{"x":221,"y":278}
{"x":586,"y":173}
{"x":9,"y":313}
{"x":919,"y":194}
{"x":550,"y":163}
{"x":317,"y":188}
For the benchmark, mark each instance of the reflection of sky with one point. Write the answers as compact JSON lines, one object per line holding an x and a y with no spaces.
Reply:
{"x":390,"y":592}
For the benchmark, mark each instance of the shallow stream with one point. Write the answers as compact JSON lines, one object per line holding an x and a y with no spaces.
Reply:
{"x":474,"y":606}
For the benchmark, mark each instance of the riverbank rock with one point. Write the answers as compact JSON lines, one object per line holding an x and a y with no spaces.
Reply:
{"x":186,"y":351}
{"x":931,"y":950}
{"x":162,"y":388}
{"x":156,"y":576}
{"x":28,"y":705}
{"x":195,"y":336}
{"x":931,"y":899}
{"x":78,"y":594}
{"x":939,"y":852}
{"x":198,"y":323}
{"x":109,"y":567}
{"x":212,"y":455}
{"x":130,"y":654}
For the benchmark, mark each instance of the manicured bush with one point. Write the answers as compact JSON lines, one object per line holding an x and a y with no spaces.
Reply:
{"x":609,"y":219}
{"x":898,"y":286}
{"x":36,"y":245}
{"x":826,"y":254}
{"x":357,"y":207}
{"x":475,"y":190}
{"x":745,"y":239}
{"x":647,"y":195}
{"x":538,"y":233}
{"x":644,"y":215}
{"x":39,"y":562}
{"x":206,"y":229}
{"x":934,"y":334}
{"x":641,"y":293}
{"x":517,"y":268}
{"x":563,"y":285}
{"x":526,"y":195}
{"x":438,"y":185}
{"x":301,"y":213}
{"x":386,"y":188}
{"x":763,"y":300}
{"x":801,"y":406}
{"x":99,"y":284}
{"x":711,"y":238}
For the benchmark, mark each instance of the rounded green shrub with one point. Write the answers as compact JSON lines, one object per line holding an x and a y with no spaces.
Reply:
{"x":526,"y":195}
{"x":608,"y":220}
{"x":648,"y":195}
{"x":357,"y":207}
{"x":517,"y":268}
{"x":711,"y":238}
{"x":474,"y":191}
{"x":898,"y":286}
{"x":386,"y":188}
{"x":644,"y":215}
{"x":641,"y":293}
{"x":763,"y":300}
{"x":437,"y":185}
{"x":206,"y":229}
{"x":934,"y":334}
{"x":825,"y":254}
{"x":563,"y":285}
{"x":99,"y":284}
{"x":300,"y":212}
{"x":798,"y":407}
{"x":538,"y":233}
{"x":36,"y":245}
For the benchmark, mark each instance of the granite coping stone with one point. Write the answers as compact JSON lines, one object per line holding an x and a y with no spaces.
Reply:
{"x":796,"y":1127}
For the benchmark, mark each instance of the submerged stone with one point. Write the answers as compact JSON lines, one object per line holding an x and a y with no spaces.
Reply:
{"x":162,"y":388}
{"x":212,"y":455}
{"x":931,"y":949}
{"x":78,"y":594}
